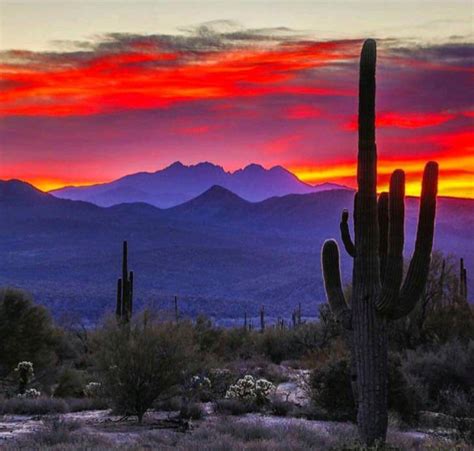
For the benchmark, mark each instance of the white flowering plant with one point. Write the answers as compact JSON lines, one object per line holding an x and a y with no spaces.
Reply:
{"x":201,"y":383}
{"x":25,"y":375}
{"x":92,"y":389}
{"x":251,"y":390}
{"x":198,"y":387}
{"x":30,"y":393}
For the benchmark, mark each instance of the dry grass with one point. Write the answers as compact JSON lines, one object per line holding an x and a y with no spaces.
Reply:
{"x":217,"y":433}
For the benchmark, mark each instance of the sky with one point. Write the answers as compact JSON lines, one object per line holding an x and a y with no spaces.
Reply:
{"x":92,"y":91}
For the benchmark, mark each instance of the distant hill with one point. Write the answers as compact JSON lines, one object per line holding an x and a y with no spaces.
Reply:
{"x":178,"y":183}
{"x":222,"y":255}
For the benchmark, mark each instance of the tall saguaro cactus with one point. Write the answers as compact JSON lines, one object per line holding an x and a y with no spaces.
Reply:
{"x":124,"y":307}
{"x":378,"y":294}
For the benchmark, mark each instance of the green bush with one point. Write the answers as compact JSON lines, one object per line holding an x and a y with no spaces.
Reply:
{"x":330,"y":387}
{"x":26,"y":333}
{"x":444,"y":368}
{"x":140,"y":362}
{"x":402,"y":397}
{"x":70,"y":384}
{"x":171,"y":404}
{"x":191,"y":411}
{"x":281,"y":408}
{"x":235,"y":407}
{"x":331,"y":390}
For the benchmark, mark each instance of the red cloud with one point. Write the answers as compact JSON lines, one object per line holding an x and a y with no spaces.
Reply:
{"x":148,"y":77}
{"x":302,"y":112}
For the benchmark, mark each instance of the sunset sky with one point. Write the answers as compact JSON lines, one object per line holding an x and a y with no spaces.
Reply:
{"x":92,"y":91}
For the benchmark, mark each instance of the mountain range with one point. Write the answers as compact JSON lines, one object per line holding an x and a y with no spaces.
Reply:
{"x":220,"y":254}
{"x":178,"y":183}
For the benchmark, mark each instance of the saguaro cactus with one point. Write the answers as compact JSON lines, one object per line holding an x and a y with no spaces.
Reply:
{"x":124,"y":306}
{"x":262,"y":318}
{"x":462,"y":280}
{"x":377,"y":291}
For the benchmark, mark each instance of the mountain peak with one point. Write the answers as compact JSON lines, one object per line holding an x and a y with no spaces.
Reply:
{"x":179,"y":183}
{"x":176,"y":166}
{"x":254,"y":167}
{"x":16,"y":191}
{"x":219,"y":193}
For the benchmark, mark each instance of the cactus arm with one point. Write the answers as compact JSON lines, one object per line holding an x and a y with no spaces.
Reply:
{"x":382,"y":214}
{"x":332,"y":283}
{"x":417,"y":274}
{"x":394,"y":267}
{"x":346,"y":235}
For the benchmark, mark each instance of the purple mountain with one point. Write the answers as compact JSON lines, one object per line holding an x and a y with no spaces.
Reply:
{"x":178,"y":183}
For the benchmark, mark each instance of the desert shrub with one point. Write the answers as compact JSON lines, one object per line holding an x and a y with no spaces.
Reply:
{"x":330,"y":390}
{"x":140,"y":362}
{"x":459,"y":405}
{"x":26,"y":332}
{"x":235,"y":407}
{"x":280,"y":407}
{"x":450,"y":323}
{"x":191,"y":411}
{"x":276,"y":345}
{"x":330,"y":387}
{"x":236,"y":344}
{"x":35,"y":406}
{"x":171,"y":404}
{"x":402,"y":397}
{"x":221,"y":379}
{"x":433,"y":371}
{"x":61,"y":434}
{"x":70,"y":384}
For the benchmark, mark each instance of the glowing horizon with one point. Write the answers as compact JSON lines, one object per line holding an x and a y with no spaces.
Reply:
{"x":91,"y":110}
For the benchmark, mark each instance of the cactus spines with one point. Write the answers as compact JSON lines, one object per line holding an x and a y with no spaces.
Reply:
{"x":377,"y":291}
{"x":124,"y":307}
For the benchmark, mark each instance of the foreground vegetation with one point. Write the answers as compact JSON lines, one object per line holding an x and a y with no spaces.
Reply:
{"x":269,"y":388}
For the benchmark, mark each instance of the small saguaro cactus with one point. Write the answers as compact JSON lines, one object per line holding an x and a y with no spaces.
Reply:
{"x":176,"y":310}
{"x":378,"y":294}
{"x":262,"y":318}
{"x":462,"y":280}
{"x":124,"y":306}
